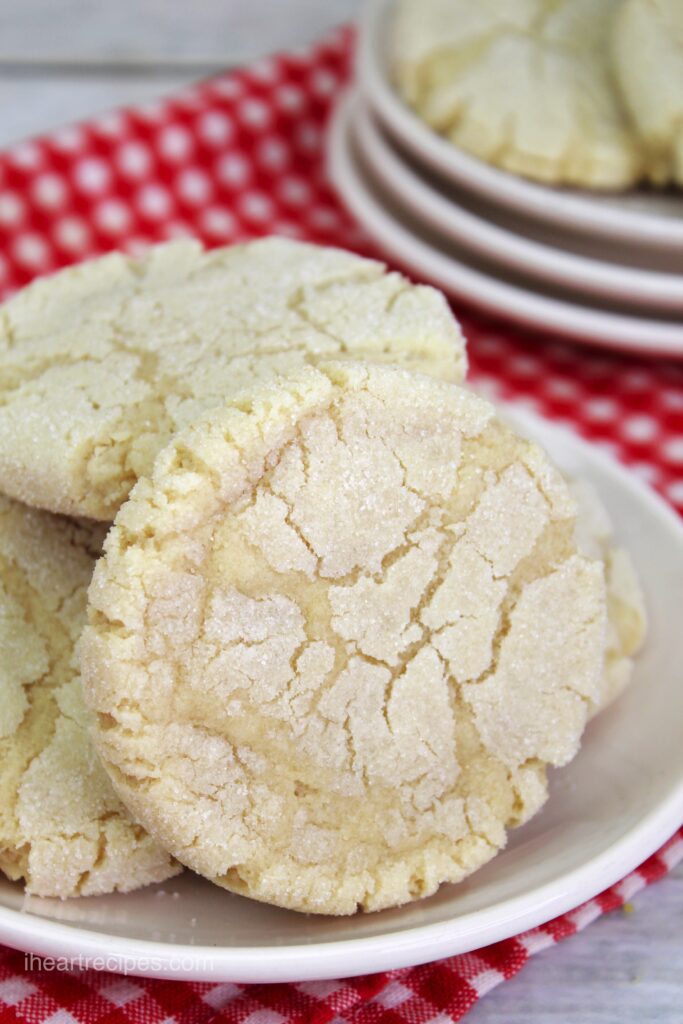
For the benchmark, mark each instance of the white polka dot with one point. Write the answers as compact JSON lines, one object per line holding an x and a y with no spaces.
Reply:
{"x":636,"y":380}
{"x":675,"y":492}
{"x":31,"y":251}
{"x":218,"y":222}
{"x":175,"y":143}
{"x":69,"y":139}
{"x":155,"y":110}
{"x":273,"y":154}
{"x":215,"y":128}
{"x":154,"y":201}
{"x":640,"y":428}
{"x":14,"y":990}
{"x":596,"y":368}
{"x":602,"y":410}
{"x":194,"y":186}
{"x":290,"y":98}
{"x":524,"y":366}
{"x":49,"y":191}
{"x":233,"y":170}
{"x":264,"y":70}
{"x":111,"y":124}
{"x":112,"y":216}
{"x":178,"y":229}
{"x":672,"y":449}
{"x":323,"y":82}
{"x":295,"y":191}
{"x":137,"y":246}
{"x":672,"y":399}
{"x":12,"y":209}
{"x":561,"y":388}
{"x":134,"y":160}
{"x":256,"y":206}
{"x":92,"y":176}
{"x":254,"y":114}
{"x":26,"y":155}
{"x":489,"y":345}
{"x":191,"y":98}
{"x":561,"y":353}
{"x":287,"y":228}
{"x":324,"y":218}
{"x":72,"y":233}
{"x":228,"y":88}
{"x":308,"y":137}
{"x":646,"y":471}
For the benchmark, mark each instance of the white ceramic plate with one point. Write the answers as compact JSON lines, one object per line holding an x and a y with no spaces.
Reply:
{"x":457,"y":273}
{"x":608,"y":811}
{"x":640,"y":217}
{"x":442,"y":213}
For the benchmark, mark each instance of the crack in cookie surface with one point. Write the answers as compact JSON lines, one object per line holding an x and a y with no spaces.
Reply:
{"x":104,"y":362}
{"x":62,"y":827}
{"x":317,"y":620}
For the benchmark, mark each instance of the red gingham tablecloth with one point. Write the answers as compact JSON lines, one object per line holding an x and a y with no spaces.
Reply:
{"x":229,"y":159}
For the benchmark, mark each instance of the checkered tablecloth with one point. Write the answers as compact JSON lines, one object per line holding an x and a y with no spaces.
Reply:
{"x":229,"y":159}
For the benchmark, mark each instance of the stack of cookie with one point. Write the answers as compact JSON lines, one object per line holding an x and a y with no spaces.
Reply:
{"x":344,"y":618}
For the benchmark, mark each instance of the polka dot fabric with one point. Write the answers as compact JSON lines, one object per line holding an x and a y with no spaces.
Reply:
{"x":229,"y":159}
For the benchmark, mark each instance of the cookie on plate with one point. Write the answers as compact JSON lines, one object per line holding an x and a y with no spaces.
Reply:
{"x":626,"y":612}
{"x":525,"y":85}
{"x":647,"y":49}
{"x":337,"y":637}
{"x":102,"y":363}
{"x":62,"y":827}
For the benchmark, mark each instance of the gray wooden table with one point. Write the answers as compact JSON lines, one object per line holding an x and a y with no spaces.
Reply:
{"x":65,"y":59}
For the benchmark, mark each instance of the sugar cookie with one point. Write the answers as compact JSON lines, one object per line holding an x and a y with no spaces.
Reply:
{"x":525,"y":85}
{"x":102,"y":363}
{"x":62,"y":827}
{"x":338,"y":635}
{"x":647,"y":48}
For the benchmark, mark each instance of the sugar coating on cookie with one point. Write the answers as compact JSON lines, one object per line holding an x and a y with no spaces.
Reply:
{"x":525,"y":85}
{"x":626,"y":611}
{"x":62,"y":827}
{"x":102,"y":363}
{"x":338,"y":635}
{"x":647,"y":51}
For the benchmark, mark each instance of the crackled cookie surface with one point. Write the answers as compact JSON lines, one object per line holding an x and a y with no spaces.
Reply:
{"x":337,"y":637}
{"x":102,"y":363}
{"x":647,"y":49}
{"x":62,"y":827}
{"x":525,"y":85}
{"x":626,"y":612}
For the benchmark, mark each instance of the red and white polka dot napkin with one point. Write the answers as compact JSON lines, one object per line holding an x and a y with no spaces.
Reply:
{"x":229,"y":159}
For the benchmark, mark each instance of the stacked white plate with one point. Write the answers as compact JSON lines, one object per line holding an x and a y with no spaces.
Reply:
{"x":601,"y":268}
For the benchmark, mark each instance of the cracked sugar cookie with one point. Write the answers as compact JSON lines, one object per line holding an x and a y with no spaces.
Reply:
{"x":336,"y":638}
{"x":62,"y":827}
{"x":626,"y":612}
{"x":647,"y":49}
{"x":102,"y":363}
{"x":525,"y":85}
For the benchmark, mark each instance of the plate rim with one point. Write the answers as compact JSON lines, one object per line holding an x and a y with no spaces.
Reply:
{"x":543,"y":202}
{"x":605,"y":279}
{"x":525,"y":307}
{"x":348,"y":957}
